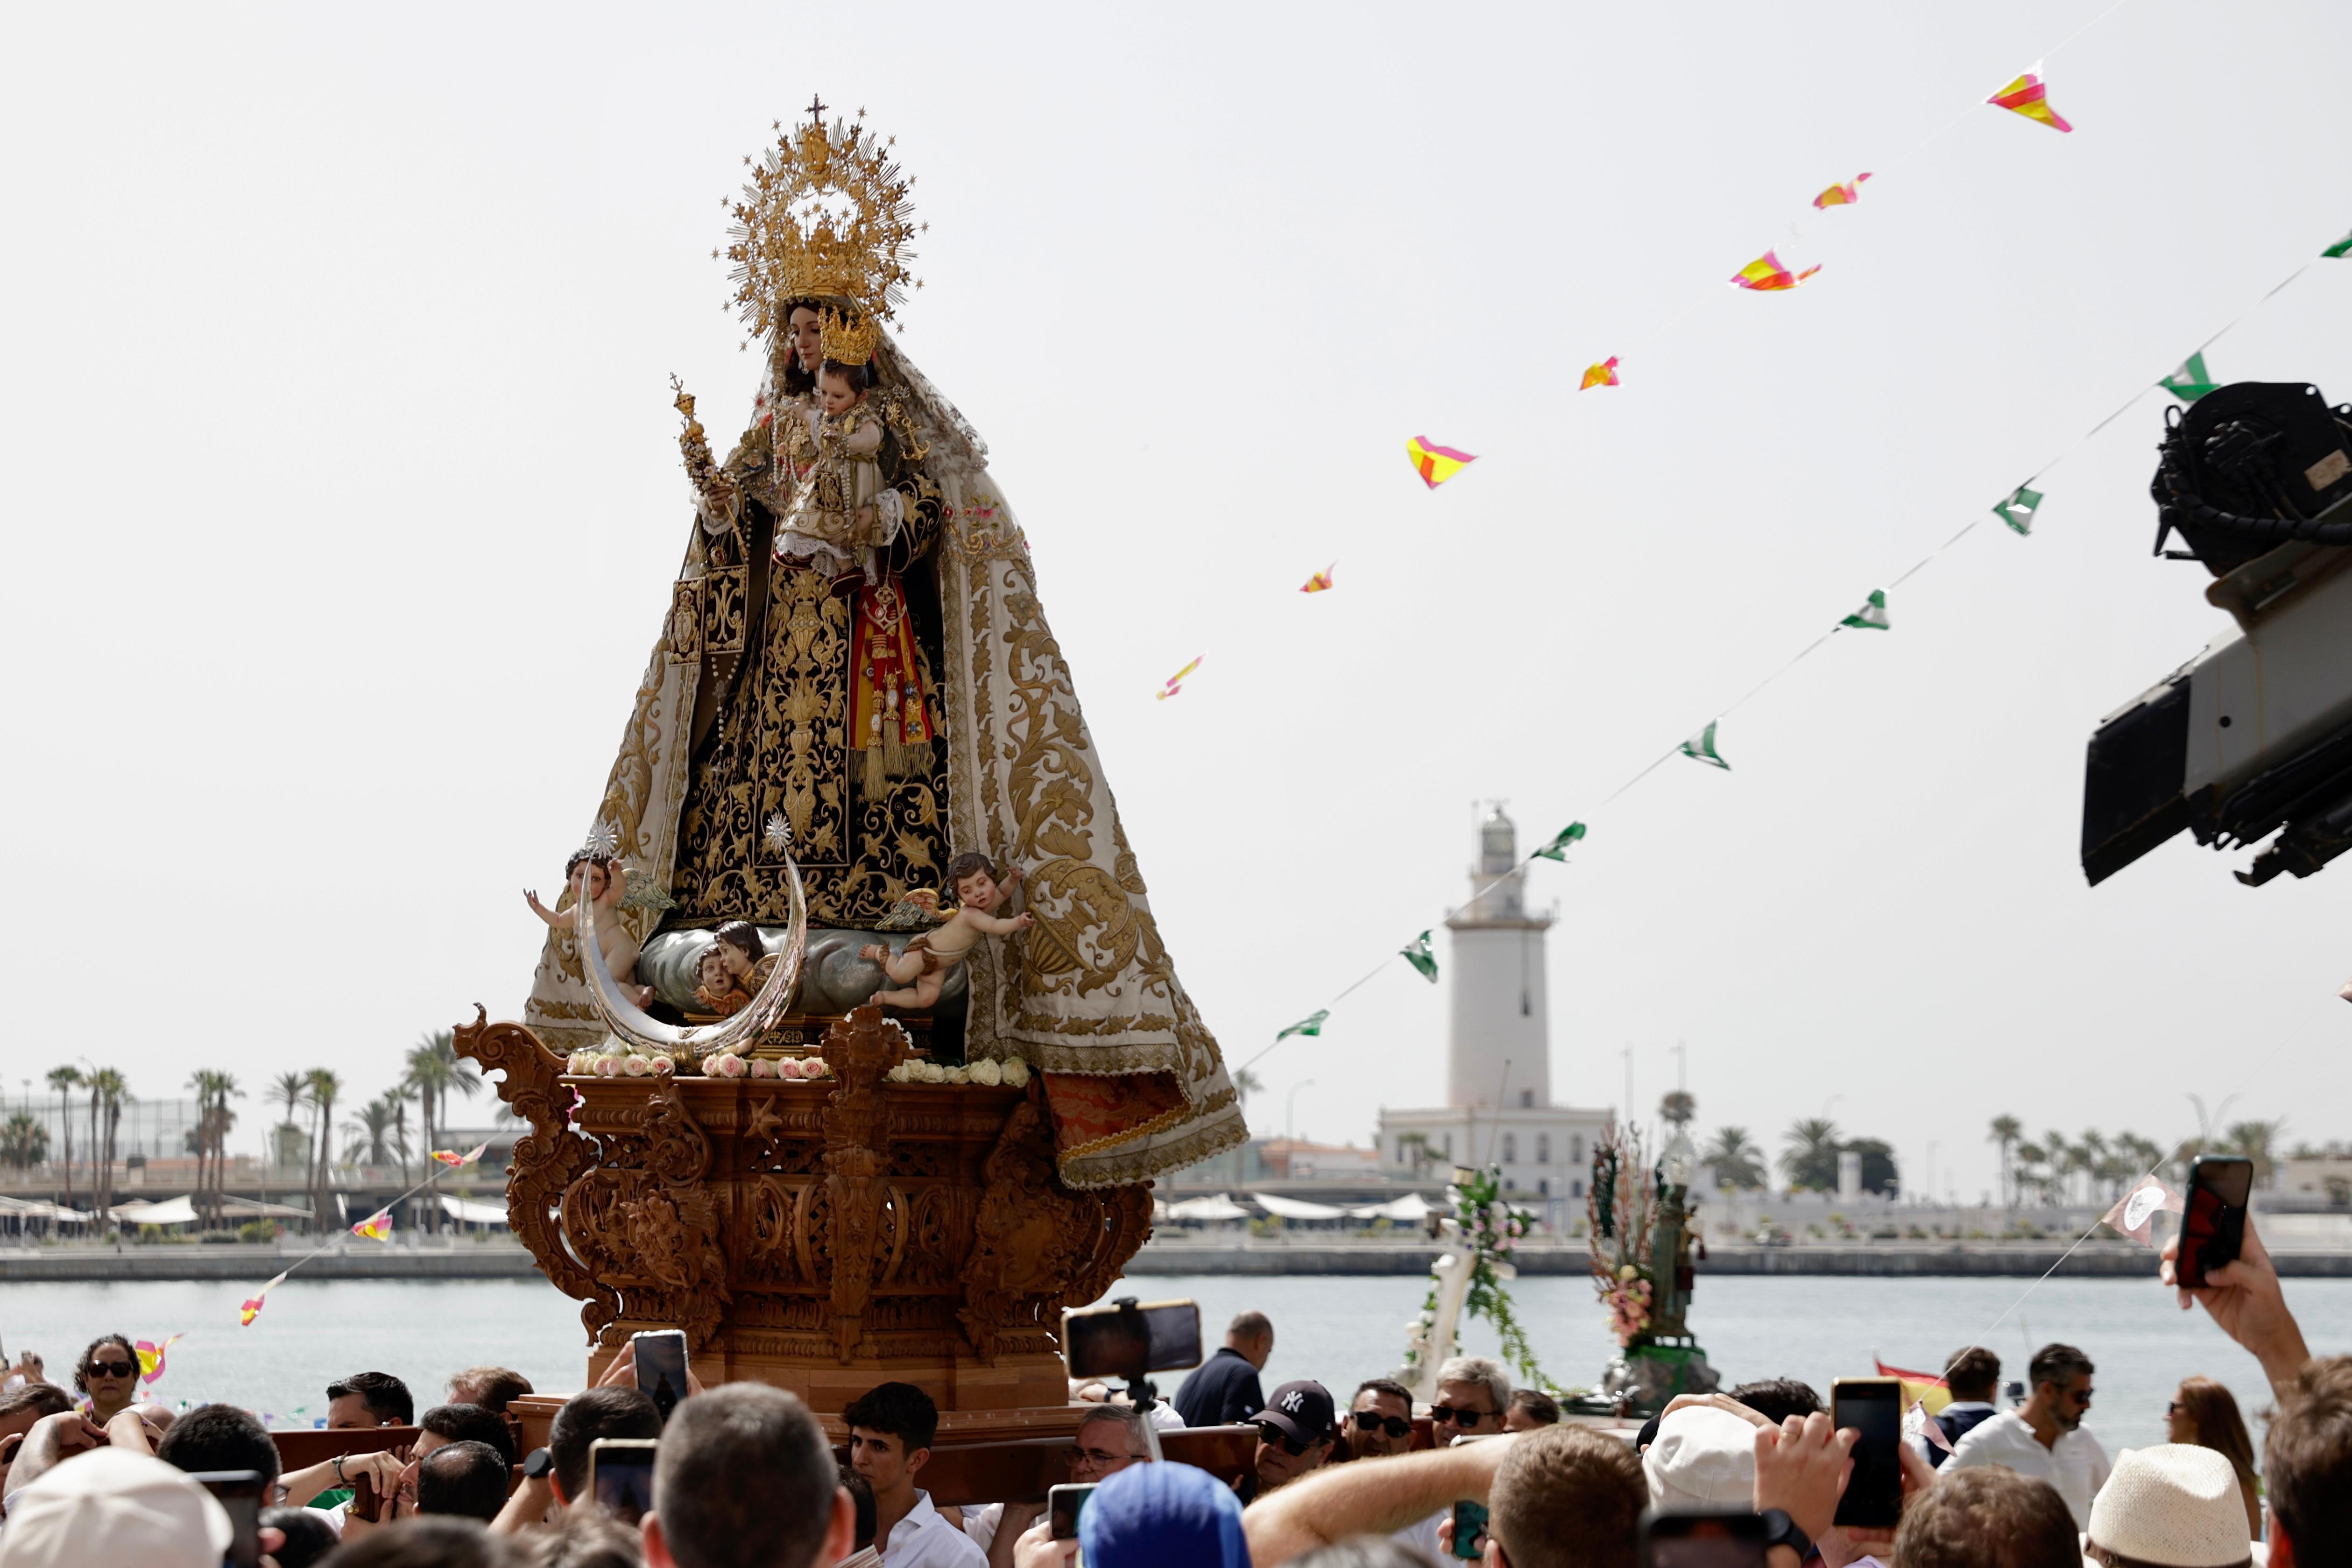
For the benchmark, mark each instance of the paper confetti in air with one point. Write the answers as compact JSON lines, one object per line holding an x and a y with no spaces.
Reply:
{"x":2028,"y":97}
{"x":2135,"y":1213}
{"x":1416,"y":952}
{"x":1435,"y":464}
{"x":377,"y":1227}
{"x":1558,"y":848}
{"x":1601,"y":374}
{"x":468,"y":1158}
{"x":252,"y":1306}
{"x":1765,"y":275}
{"x":151,"y":1357}
{"x":1311,"y":1025}
{"x":1175,"y":681}
{"x":1871,"y":617}
{"x":2019,"y":509}
{"x":1843,"y":196}
{"x":1701,"y":748}
{"x":1320,"y":583}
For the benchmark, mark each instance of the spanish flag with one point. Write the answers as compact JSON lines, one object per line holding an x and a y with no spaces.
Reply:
{"x":1925,"y":1389}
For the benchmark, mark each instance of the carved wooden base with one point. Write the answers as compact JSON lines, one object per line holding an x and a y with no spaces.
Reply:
{"x":821,"y":1235}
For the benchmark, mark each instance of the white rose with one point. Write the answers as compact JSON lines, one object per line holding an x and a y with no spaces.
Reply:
{"x":934,"y":1073}
{"x":637,"y":1067}
{"x":1016,"y":1073}
{"x":959,"y":1075}
{"x":987,"y":1074}
{"x":899,"y":1074}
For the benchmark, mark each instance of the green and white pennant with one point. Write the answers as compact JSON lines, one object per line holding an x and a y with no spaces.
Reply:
{"x":1311,"y":1025}
{"x":1701,"y":747}
{"x":2341,"y":249}
{"x":1558,"y":848}
{"x":1416,"y":952}
{"x":2019,"y":509}
{"x":1871,"y":617}
{"x":2191,"y":381}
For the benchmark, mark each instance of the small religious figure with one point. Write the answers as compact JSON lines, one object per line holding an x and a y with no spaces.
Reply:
{"x":842,"y":512}
{"x":743,"y":959}
{"x":927,"y":959}
{"x":715,"y":989}
{"x":600,"y":878}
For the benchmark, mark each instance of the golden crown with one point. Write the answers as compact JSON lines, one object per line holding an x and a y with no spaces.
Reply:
{"x":825,"y":215}
{"x":846,"y":337}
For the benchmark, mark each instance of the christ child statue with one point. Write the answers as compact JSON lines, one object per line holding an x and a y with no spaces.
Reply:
{"x":715,"y":989}
{"x":921,"y":968}
{"x":840,"y":511}
{"x":599,"y":878}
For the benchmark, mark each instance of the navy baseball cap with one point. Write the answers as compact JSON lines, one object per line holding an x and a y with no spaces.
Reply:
{"x":1302,"y":1410}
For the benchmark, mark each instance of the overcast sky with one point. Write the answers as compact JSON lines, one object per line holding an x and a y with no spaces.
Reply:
{"x":342,"y":502}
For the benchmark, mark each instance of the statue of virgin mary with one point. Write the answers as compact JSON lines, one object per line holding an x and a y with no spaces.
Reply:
{"x":875,"y":695}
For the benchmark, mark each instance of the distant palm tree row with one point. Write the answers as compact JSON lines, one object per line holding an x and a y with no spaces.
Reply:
{"x":377,"y":1135}
{"x":2098,"y":1168}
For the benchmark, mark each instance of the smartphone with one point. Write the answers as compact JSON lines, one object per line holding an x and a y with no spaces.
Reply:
{"x":1064,"y":1504}
{"x":2214,"y":1227}
{"x":621,"y":1475}
{"x":1729,"y":1539}
{"x":1469,"y":1530}
{"x":1873,"y":1408}
{"x":661,"y":1367}
{"x":239,"y":1493}
{"x":1131,"y":1341}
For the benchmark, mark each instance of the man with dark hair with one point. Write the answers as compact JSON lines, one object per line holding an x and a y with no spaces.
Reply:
{"x":491,"y":1388}
{"x":468,"y":1479}
{"x":1225,"y":1390}
{"x":369,"y":1399}
{"x":308,"y":1535}
{"x":221,"y":1437}
{"x":446,"y":1424}
{"x":1778,"y":1398}
{"x":1530,"y":1409}
{"x":2307,"y":1467}
{"x":1973,"y":1377}
{"x":745,"y":1479}
{"x":621,"y":1411}
{"x":891,"y":1427}
{"x":1988,"y":1517}
{"x":1380,"y":1419}
{"x":2044,"y":1439}
{"x":443,"y":1541}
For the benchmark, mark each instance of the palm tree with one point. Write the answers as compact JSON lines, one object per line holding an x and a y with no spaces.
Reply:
{"x":2255,"y":1140}
{"x":2006,"y":1132}
{"x":1738,"y":1162}
{"x":23,"y":1143}
{"x":65,"y":1080}
{"x":213,"y":1119}
{"x":109,"y":1091}
{"x":435,"y":1069}
{"x":323,"y":1084}
{"x":1678,"y":1107}
{"x":396,"y":1097}
{"x":1246,"y":1083}
{"x":1812,"y":1158}
{"x":289,"y":1090}
{"x":370,"y":1143}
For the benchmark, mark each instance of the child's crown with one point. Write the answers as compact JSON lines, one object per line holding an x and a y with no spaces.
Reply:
{"x":847,"y":339}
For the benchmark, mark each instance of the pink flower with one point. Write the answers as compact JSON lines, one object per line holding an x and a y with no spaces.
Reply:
{"x":637,"y":1067}
{"x":664,"y":1067}
{"x":762,"y":1067}
{"x":789,"y":1067}
{"x":816,"y":1067}
{"x":726,"y":1063}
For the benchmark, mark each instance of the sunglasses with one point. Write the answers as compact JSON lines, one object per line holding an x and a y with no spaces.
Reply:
{"x":1098,"y":1456}
{"x":1274,"y":1436}
{"x":113,"y":1368}
{"x":1465,"y":1417}
{"x":1373,"y":1421}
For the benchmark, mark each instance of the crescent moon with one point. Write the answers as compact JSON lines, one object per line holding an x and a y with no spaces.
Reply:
{"x":633,"y":1026}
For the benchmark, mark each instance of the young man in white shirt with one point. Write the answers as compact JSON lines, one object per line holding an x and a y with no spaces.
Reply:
{"x":890,"y":1431}
{"x":2044,"y":1439}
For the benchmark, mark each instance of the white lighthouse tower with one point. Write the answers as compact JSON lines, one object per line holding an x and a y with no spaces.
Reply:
{"x":1498,"y":1108}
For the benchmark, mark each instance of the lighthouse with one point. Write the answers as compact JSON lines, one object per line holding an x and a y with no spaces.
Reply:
{"x":1498,"y":1108}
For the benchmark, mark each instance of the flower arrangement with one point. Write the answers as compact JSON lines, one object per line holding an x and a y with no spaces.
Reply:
{"x":1622,"y":1205}
{"x":1628,"y":1301}
{"x":1492,"y":1230}
{"x":1011,"y":1073}
{"x":613,"y":1060}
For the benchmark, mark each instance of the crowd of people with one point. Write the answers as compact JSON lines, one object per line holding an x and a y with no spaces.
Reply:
{"x":745,"y":1475}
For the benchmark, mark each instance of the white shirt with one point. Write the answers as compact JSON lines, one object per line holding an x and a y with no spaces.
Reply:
{"x":2075,"y":1464}
{"x":924,"y":1540}
{"x":980,"y":1524}
{"x":1921,"y":1447}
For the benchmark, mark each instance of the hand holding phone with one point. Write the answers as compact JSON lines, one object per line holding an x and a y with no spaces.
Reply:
{"x":659,"y":1359}
{"x":621,"y":1475}
{"x":2213,"y":1227}
{"x":1064,"y":1507}
{"x":1873,"y":1406}
{"x":1469,"y":1543}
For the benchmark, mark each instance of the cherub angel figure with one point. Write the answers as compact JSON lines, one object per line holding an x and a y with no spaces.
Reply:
{"x":921,"y":968}
{"x":600,"y":876}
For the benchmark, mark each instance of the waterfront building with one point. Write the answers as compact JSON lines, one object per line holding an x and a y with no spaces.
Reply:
{"x":1499,"y":1107}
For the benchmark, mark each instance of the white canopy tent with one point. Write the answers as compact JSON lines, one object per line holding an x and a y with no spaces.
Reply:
{"x":468,"y":1211}
{"x":170,"y":1211}
{"x":1406,"y":1210}
{"x":1207,"y":1210}
{"x":1295,"y":1208}
{"x":253,"y":1208}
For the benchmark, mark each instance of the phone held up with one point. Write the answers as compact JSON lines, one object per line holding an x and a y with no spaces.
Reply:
{"x":1064,"y":1504}
{"x":1469,"y":1530}
{"x":239,"y":1494}
{"x":2213,"y":1228}
{"x":1873,"y":1406}
{"x":1131,"y":1341}
{"x":660,"y":1356}
{"x":1728,"y":1538}
{"x":621,"y":1476}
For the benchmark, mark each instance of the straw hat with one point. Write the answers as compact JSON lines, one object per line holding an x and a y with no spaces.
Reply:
{"x":113,"y":1506}
{"x":2176,"y":1505}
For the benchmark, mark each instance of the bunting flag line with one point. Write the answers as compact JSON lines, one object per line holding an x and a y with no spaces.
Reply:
{"x":377,"y":1227}
{"x":2019,"y":509}
{"x":1558,"y":848}
{"x":1175,"y":684}
{"x":1925,"y":1388}
{"x":2341,"y":249}
{"x":1843,"y":196}
{"x":476,"y":1152}
{"x":251,"y":1308}
{"x":2027,"y":96}
{"x":2191,"y":380}
{"x":1320,"y":583}
{"x":1601,"y":374}
{"x":1311,"y":1025}
{"x":1435,"y":464}
{"x":1871,"y":617}
{"x":2135,"y":1213}
{"x":1701,"y":748}
{"x":1765,"y":275}
{"x":151,"y":1356}
{"x":1416,"y":952}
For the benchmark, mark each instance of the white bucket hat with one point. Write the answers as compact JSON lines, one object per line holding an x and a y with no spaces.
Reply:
{"x":1702,"y":1458}
{"x":110,"y":1505}
{"x":2176,"y":1505}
